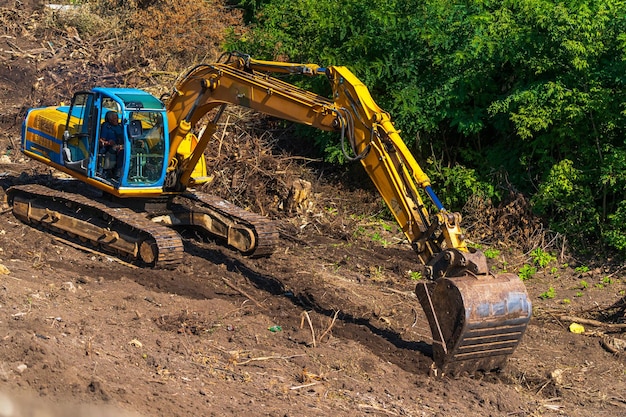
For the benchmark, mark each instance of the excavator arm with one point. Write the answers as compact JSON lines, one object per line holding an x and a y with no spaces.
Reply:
{"x":476,"y":319}
{"x":367,"y":130}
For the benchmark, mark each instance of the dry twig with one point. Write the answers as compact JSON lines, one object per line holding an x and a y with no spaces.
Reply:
{"x":304,"y":315}
{"x":263,"y":358}
{"x":377,"y":409}
{"x":242,"y":292}
{"x":594,"y":323}
{"x":303,"y":386}
{"x":332,"y":323}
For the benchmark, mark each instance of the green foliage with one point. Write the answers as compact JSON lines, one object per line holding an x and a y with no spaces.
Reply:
{"x":564,"y":198}
{"x":615,"y":233}
{"x":549,"y":294}
{"x":613,"y":178}
{"x":491,"y":253}
{"x":456,"y":185}
{"x":584,"y":284}
{"x":533,"y":88}
{"x":541,"y":258}
{"x":376,"y":237}
{"x":582,"y":269}
{"x":251,"y":7}
{"x":415,"y":275}
{"x":384,"y":214}
{"x":359,"y":231}
{"x":526,"y":272}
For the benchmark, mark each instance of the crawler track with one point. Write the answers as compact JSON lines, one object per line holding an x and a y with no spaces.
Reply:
{"x":134,"y":236}
{"x":110,"y":227}
{"x":263,"y":234}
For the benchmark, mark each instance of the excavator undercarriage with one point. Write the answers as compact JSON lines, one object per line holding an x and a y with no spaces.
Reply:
{"x":142,"y":237}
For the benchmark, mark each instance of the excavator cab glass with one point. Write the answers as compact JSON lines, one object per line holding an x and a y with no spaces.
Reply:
{"x":77,"y":145}
{"x":146,"y":138}
{"x":134,"y":129}
{"x":123,"y":131}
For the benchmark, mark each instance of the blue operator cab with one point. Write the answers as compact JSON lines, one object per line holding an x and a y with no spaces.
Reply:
{"x":113,"y":138}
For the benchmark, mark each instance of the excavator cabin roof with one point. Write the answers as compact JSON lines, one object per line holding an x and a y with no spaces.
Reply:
{"x":132,"y":98}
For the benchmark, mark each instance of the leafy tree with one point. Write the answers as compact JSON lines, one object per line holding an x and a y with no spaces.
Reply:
{"x":534,"y":88}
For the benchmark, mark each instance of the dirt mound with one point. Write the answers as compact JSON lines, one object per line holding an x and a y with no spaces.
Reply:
{"x":328,"y":325}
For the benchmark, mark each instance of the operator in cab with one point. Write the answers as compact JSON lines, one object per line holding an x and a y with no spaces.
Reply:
{"x":112,"y":140}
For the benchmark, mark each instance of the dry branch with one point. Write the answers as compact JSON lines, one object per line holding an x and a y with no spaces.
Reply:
{"x":263,"y":358}
{"x":408,"y":294}
{"x":594,"y":323}
{"x":267,"y":358}
{"x":305,"y":314}
{"x":366,"y":407}
{"x":611,"y":346}
{"x":242,"y":292}
{"x":304,"y":386}
{"x":332,"y":323}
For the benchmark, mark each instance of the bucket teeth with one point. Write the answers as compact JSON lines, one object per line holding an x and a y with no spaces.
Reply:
{"x":476,"y":321}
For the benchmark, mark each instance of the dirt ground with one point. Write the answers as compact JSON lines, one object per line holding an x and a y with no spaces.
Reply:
{"x":85,"y":335}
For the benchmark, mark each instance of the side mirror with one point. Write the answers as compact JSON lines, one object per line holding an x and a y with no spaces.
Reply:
{"x":134,"y":129}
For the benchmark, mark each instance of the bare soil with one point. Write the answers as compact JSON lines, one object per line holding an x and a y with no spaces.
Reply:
{"x":84,"y":334}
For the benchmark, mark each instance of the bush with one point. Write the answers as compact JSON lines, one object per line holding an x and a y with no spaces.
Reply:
{"x":565,"y":199}
{"x":615,"y":235}
{"x":532,"y":87}
{"x":457,"y":185}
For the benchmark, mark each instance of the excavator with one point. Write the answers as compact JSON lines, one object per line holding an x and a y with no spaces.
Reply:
{"x":149,"y":187}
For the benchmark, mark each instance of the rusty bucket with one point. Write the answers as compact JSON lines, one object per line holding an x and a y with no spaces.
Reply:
{"x":477,"y":321}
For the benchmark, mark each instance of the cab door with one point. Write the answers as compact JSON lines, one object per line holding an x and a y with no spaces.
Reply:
{"x":80,"y":133}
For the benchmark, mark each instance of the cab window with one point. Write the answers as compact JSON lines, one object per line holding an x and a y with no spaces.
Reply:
{"x":146,"y":147}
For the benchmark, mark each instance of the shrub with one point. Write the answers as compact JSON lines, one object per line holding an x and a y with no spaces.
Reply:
{"x":526,"y":272}
{"x":542,"y":258}
{"x":568,"y":203}
{"x":491,"y":253}
{"x":615,"y":233}
{"x":457,"y":185}
{"x":549,"y":294}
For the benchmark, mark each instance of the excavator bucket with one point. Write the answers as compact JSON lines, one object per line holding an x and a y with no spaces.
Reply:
{"x":477,"y":321}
